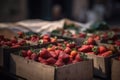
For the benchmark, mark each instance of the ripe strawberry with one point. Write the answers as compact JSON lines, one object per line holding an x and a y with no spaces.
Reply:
{"x":33,"y":56}
{"x":70,"y":45}
{"x":41,"y":60}
{"x":29,"y":53}
{"x":106,"y":54}
{"x":50,"y":49}
{"x":15,"y":46}
{"x":73,"y":53}
{"x":102,"y":49}
{"x":85,"y":48}
{"x":46,"y":36}
{"x":53,"y":54}
{"x":44,"y":53}
{"x":14,"y":40}
{"x":53,"y":39}
{"x":20,"y":34}
{"x":51,"y":61}
{"x":89,"y":41}
{"x":59,"y":62}
{"x":82,"y":35}
{"x":74,"y":61}
{"x":45,"y":40}
{"x":57,"y":52}
{"x":117,"y":42}
{"x":24,"y":53}
{"x":67,"y":50}
{"x":78,"y":58}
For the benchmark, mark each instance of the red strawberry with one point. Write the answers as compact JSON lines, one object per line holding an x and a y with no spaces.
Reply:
{"x":102,"y":49}
{"x":44,"y":53}
{"x":24,"y":53}
{"x":57,"y":52}
{"x":42,"y":60}
{"x":70,"y":45}
{"x":106,"y":54}
{"x":29,"y":53}
{"x":73,"y":53}
{"x":67,"y":50}
{"x":46,"y":36}
{"x":53,"y":54}
{"x":117,"y":42}
{"x":85,"y":48}
{"x":78,"y":58}
{"x":53,"y":39}
{"x":15,"y":46}
{"x":59,"y":62}
{"x":82,"y":35}
{"x":45,"y":40}
{"x":33,"y":56}
{"x":51,"y":61}
{"x":14,"y":40}
{"x":90,"y":40}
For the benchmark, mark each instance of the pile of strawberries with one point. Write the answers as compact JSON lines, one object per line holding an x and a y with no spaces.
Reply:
{"x":24,"y":40}
{"x":36,"y":38}
{"x":12,"y":43}
{"x":55,"y":55}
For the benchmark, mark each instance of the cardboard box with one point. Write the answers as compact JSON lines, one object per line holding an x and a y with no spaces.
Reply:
{"x":32,"y":70}
{"x":115,"y":70}
{"x":102,"y":66}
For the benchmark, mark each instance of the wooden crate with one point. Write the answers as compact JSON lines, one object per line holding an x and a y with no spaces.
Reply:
{"x":102,"y":66}
{"x":115,"y":70}
{"x":32,"y":70}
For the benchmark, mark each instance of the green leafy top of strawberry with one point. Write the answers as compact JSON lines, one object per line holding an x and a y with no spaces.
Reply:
{"x":83,"y":56}
{"x":95,"y":49}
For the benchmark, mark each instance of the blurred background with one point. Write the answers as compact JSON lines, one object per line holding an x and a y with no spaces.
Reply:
{"x":79,"y":10}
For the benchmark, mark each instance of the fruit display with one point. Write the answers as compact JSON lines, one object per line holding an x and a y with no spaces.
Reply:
{"x":24,"y":40}
{"x":56,"y":55}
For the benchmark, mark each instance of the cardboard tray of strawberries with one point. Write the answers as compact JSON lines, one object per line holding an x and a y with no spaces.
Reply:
{"x":101,"y":55}
{"x":8,"y":46}
{"x":57,"y":61}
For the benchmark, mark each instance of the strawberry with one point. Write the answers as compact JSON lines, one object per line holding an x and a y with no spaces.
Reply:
{"x":29,"y":53}
{"x":24,"y":53}
{"x":53,"y":39}
{"x":44,"y":53}
{"x":14,"y":40}
{"x":82,"y":35}
{"x":45,"y":40}
{"x":53,"y":54}
{"x":59,"y":62}
{"x":46,"y":36}
{"x":57,"y":52}
{"x":33,"y":56}
{"x":73,"y":53}
{"x":70,"y":45}
{"x":50,"y":49}
{"x":117,"y":42}
{"x":15,"y":46}
{"x":42,"y":60}
{"x":106,"y":54}
{"x":78,"y":58}
{"x":102,"y":49}
{"x":85,"y":48}
{"x":51,"y":61}
{"x":67,"y":50}
{"x":89,"y":41}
